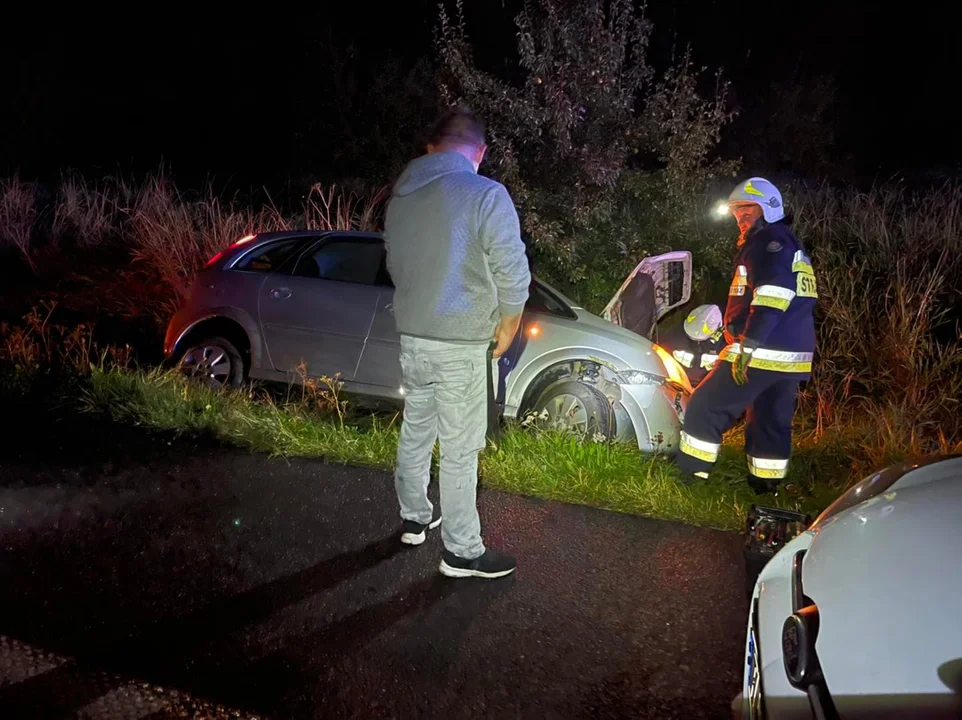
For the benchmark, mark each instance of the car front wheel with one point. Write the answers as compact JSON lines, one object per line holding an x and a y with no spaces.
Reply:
{"x":577,"y":408}
{"x":215,"y":361}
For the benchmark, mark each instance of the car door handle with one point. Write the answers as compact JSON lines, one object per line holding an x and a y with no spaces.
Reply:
{"x":281,"y":293}
{"x":390,"y":308}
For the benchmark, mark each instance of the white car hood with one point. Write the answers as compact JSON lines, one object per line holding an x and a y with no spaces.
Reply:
{"x":886,"y":576}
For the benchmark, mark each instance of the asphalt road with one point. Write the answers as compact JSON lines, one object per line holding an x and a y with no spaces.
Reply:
{"x":140,"y":571}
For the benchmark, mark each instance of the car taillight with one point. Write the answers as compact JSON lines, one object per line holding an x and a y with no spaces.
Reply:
{"x":676,"y":373}
{"x":219,"y":255}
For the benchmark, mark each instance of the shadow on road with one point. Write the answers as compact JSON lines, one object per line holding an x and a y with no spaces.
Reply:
{"x":164,"y":652}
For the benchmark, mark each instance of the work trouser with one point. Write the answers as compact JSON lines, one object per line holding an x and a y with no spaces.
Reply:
{"x":768,"y":397}
{"x":445,"y":399}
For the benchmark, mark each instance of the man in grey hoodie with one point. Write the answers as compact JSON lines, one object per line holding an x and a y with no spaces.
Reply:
{"x":461,"y":278}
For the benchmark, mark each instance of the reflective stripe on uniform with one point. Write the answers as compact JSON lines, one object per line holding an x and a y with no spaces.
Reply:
{"x":702,"y":475}
{"x":802,"y":263}
{"x":767,"y":468}
{"x":805,"y":284}
{"x":685,"y":358}
{"x":777,"y":360}
{"x":773,"y":296}
{"x":699,"y":448}
{"x":739,"y":281}
{"x":707,"y":361}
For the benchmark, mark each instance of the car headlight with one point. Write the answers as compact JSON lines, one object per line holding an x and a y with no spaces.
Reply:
{"x":676,"y":373}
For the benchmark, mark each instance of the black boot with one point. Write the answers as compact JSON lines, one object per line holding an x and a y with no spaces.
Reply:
{"x":763,"y":486}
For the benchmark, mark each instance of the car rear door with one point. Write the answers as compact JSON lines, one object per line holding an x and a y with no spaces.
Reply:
{"x":321,"y":311}
{"x":656,"y":286}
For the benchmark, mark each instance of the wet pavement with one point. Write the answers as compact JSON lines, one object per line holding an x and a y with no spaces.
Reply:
{"x":146,"y":576}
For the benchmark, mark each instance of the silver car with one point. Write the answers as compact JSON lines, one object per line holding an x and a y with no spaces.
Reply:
{"x":272,"y":301}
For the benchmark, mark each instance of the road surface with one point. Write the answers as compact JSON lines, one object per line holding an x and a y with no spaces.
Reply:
{"x":143,"y":574}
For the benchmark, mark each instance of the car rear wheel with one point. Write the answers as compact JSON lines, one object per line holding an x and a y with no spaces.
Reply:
{"x":215,"y":361}
{"x":577,"y":408}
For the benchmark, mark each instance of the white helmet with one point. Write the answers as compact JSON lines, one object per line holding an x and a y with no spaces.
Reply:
{"x":761,"y":192}
{"x":703,"y":322}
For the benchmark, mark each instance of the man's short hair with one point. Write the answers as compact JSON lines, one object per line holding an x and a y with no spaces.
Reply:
{"x":458,"y":126}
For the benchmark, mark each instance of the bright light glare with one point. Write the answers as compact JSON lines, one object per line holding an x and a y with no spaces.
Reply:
{"x":721,"y":209}
{"x":534,"y":331}
{"x":675,"y":371}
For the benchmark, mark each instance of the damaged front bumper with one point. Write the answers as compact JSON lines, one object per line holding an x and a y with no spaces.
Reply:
{"x":656,"y":413}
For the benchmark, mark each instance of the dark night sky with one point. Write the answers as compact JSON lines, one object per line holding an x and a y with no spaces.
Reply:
{"x":214,"y":92}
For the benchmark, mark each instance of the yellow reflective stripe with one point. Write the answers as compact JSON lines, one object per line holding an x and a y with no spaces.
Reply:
{"x":699,"y":448}
{"x":708,"y":360}
{"x":767,"y":467}
{"x":798,"y":367}
{"x":774,"y":291}
{"x":777,"y":360}
{"x":777,"y":303}
{"x":739,"y":281}
{"x":750,"y":190}
{"x":773,"y":296}
{"x":802,"y":263}
{"x":685,"y":358}
{"x":703,"y":475}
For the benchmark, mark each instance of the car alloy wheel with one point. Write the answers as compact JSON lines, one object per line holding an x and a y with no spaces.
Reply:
{"x":577,"y":408}
{"x":215,"y":361}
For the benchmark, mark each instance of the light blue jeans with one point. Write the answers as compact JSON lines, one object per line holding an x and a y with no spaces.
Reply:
{"x":445,"y":399}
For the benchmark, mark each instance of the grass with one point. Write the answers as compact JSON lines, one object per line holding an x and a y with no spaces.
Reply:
{"x":539,"y":463}
{"x":887,"y":383}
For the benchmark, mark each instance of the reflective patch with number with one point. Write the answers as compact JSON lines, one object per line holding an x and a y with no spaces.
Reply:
{"x":805,"y":285}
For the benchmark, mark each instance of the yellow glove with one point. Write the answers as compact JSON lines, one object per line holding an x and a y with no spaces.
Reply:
{"x":740,"y":366}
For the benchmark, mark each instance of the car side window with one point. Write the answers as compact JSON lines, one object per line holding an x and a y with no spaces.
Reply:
{"x":344,"y":260}
{"x":544,"y":302}
{"x":270,"y":257}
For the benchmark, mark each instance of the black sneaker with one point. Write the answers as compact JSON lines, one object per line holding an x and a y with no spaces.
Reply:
{"x":413,"y":533}
{"x":490,"y":565}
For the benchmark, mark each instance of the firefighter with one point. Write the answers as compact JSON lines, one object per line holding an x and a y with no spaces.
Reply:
{"x":770,"y":335}
{"x":697,"y":342}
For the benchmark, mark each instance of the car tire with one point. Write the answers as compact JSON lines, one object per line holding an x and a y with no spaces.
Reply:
{"x":588,"y":412}
{"x":214,"y":360}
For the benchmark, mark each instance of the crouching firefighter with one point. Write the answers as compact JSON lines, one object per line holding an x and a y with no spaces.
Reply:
{"x":770,"y":335}
{"x":696,"y":343}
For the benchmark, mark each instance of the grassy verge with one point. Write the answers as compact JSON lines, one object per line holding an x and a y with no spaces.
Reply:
{"x":537,"y":463}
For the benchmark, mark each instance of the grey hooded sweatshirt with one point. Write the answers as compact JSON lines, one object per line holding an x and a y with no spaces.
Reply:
{"x":454,"y":251}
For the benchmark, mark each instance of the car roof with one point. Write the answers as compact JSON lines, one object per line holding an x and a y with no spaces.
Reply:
{"x":263,"y":237}
{"x":284,"y":234}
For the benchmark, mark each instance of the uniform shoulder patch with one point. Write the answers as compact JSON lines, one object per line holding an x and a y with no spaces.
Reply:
{"x":774,"y":246}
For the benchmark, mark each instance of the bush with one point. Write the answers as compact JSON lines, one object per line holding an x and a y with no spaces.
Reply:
{"x":586,"y":107}
{"x":889,"y":364}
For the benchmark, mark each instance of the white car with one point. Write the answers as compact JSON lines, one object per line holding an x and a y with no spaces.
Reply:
{"x":860,"y":615}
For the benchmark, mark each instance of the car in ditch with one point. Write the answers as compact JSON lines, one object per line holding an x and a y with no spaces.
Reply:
{"x":272,"y":303}
{"x":857,"y":615}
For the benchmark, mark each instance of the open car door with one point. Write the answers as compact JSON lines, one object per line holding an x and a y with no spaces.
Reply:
{"x":656,"y":286}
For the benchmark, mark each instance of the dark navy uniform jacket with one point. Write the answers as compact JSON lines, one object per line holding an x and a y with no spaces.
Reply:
{"x":771,"y":302}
